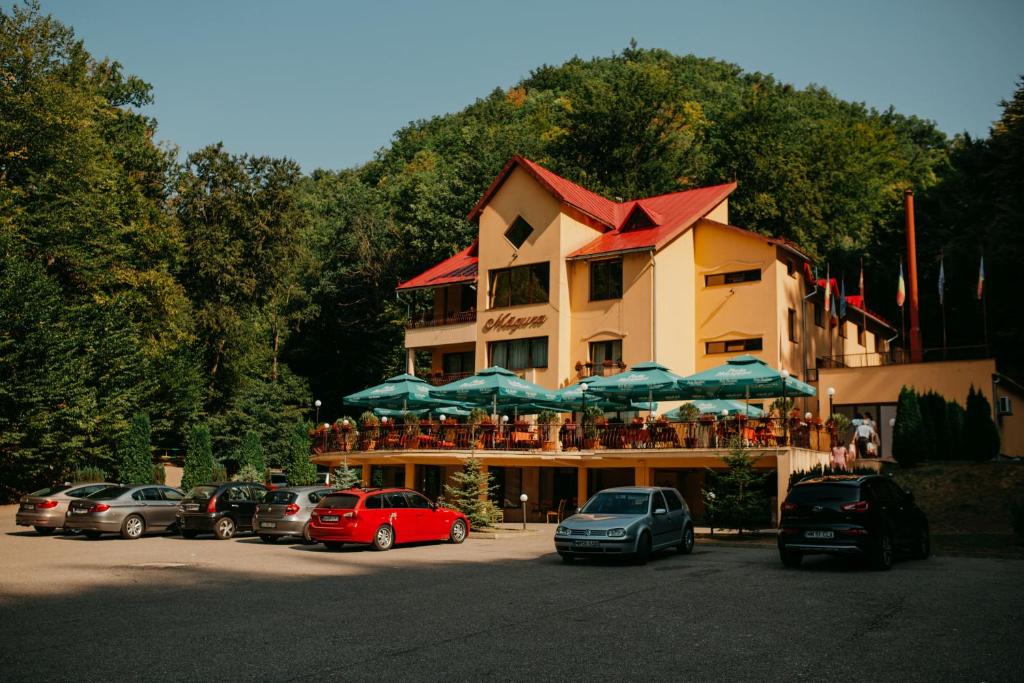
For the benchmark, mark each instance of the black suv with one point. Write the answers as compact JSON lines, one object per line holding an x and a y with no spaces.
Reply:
{"x":862,"y":516}
{"x":224,"y":509}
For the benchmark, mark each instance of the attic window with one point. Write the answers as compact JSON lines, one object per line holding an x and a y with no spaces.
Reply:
{"x":518,"y":232}
{"x":638,"y":220}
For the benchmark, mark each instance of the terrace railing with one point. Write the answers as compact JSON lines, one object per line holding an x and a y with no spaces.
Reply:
{"x":898,"y":356}
{"x":429,"y":320}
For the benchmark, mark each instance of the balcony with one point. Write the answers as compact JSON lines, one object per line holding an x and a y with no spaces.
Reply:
{"x":604,"y":369}
{"x":438,"y":379}
{"x":899,"y":356}
{"x":429,"y":320}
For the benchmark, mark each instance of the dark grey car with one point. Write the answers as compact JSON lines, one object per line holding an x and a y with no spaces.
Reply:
{"x":630,"y":520}
{"x":127,"y":510}
{"x":285,"y":512}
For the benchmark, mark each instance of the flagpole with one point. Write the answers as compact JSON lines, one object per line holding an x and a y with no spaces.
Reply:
{"x":864,"y":309}
{"x":984,"y":297}
{"x":942,"y":298}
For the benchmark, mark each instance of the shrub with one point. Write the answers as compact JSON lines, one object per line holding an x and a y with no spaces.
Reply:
{"x":249,"y":472}
{"x":219,"y":472}
{"x":907,"y":439}
{"x":735,"y":499}
{"x":981,"y":436}
{"x":134,"y":461}
{"x":470,"y":493}
{"x":547,"y":417}
{"x":368,"y":419}
{"x":346,"y":477}
{"x":933,"y":412}
{"x":955,"y":417}
{"x":87,"y":474}
{"x":199,"y":466}
{"x":688,"y":412}
{"x":300,"y":471}
{"x":591,"y":418}
{"x":411,"y":422}
{"x":250,"y":453}
{"x":159,"y":473}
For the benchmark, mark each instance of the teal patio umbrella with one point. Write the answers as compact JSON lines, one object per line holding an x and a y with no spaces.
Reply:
{"x":716,"y":406}
{"x":401,"y":392}
{"x":493,"y":386}
{"x":742,"y":377}
{"x":648,"y":381}
{"x":571,"y":398}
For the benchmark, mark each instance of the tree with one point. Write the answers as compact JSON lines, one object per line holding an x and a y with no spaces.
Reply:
{"x":981,"y":436}
{"x":199,"y":466}
{"x":250,"y":454}
{"x":470,"y":493}
{"x":907,"y":437}
{"x":134,"y":457}
{"x":735,"y":499}
{"x":300,"y":471}
{"x":345,"y":477}
{"x":955,"y":417}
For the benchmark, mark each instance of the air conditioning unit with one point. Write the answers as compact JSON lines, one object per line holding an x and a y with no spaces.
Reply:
{"x":1004,"y":406}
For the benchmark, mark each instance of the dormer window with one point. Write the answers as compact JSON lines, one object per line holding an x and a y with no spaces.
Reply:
{"x":518,"y":232}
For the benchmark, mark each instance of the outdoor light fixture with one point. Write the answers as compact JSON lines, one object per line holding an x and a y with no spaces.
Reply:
{"x":443,"y":418}
{"x":831,"y":393}
{"x":785,"y":418}
{"x":504,"y":419}
{"x":808,"y":416}
{"x":317,"y":404}
{"x":523,"y":498}
{"x":384,"y":420}
{"x":892,"y":421}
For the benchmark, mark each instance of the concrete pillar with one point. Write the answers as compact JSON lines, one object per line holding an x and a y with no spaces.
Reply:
{"x":641,"y":474}
{"x":410,"y":361}
{"x":366,"y":475}
{"x":581,"y":486}
{"x":410,"y":476}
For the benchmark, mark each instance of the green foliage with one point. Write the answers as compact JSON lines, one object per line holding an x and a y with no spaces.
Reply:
{"x":735,"y":499}
{"x":346,"y":477}
{"x":980,"y":436}
{"x":591,"y":417}
{"x":87,"y":474}
{"x":688,"y":412}
{"x":159,"y":473}
{"x":300,"y":471}
{"x":908,"y":443}
{"x":220,"y":472}
{"x":782,"y":406}
{"x":250,"y":453}
{"x":470,"y":493}
{"x":250,"y":473}
{"x":368,"y":419}
{"x":411,"y":422}
{"x":955,"y":418}
{"x":936,"y":426}
{"x":134,"y":459}
{"x":199,"y":465}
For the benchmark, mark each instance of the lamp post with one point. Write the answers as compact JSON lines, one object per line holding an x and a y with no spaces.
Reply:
{"x":522,"y":499}
{"x":317,"y":404}
{"x":583,"y":417}
{"x":831,"y":396}
{"x":785,"y":408}
{"x":725,"y":426}
{"x":327,"y":429}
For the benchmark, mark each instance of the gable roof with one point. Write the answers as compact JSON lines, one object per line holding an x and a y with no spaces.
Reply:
{"x":460,"y":268}
{"x":791,"y":247}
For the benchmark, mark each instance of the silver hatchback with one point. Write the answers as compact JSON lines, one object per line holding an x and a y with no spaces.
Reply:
{"x":285,"y":512}
{"x":627,"y":521}
{"x":127,"y":510}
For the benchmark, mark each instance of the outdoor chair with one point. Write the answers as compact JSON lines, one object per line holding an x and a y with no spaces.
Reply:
{"x":556,"y":513}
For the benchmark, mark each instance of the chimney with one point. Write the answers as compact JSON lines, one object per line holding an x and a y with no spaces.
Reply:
{"x":916,"y":350}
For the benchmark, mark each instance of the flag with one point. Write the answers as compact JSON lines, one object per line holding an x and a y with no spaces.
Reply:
{"x":860,"y":284}
{"x":942,"y":281}
{"x":842,"y":298}
{"x":828,"y":289}
{"x":981,"y":277}
{"x":901,"y":289}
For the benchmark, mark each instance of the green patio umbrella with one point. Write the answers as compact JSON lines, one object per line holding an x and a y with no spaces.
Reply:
{"x":493,"y":386}
{"x":716,"y":406}
{"x":742,"y":377}
{"x":446,"y":410}
{"x":401,"y":392}
{"x":651,"y":381}
{"x":572,"y":399}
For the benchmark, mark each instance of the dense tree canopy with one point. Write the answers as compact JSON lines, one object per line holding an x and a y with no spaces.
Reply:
{"x":221,"y":294}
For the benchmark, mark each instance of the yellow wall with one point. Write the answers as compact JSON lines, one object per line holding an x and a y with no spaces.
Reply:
{"x":1011,"y":427}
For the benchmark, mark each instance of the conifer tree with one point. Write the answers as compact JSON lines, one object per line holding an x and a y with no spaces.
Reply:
{"x":300,"y":471}
{"x":735,"y":499}
{"x":955,"y":423}
{"x":345,"y":477}
{"x":907,"y":438}
{"x":470,"y":493}
{"x":250,"y":454}
{"x":199,"y":465}
{"x":134,"y":459}
{"x":981,"y":437}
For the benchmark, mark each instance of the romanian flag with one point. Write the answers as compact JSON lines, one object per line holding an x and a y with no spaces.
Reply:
{"x":981,"y":277}
{"x":901,"y":289}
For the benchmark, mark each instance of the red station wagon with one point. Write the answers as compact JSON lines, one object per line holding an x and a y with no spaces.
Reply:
{"x":383,"y":517}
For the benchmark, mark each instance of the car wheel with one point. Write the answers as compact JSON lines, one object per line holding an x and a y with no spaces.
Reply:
{"x":384,"y":538}
{"x":224,"y":528}
{"x":881,"y":559}
{"x":686,"y":547}
{"x":44,"y":530}
{"x":643,"y":549}
{"x":92,"y":533}
{"x":267,"y":538}
{"x":333,"y":545}
{"x":923,"y":547}
{"x":133,"y":527}
{"x":189,"y":533}
{"x":790,"y":558}
{"x":458,"y":532}
{"x":567,"y":558}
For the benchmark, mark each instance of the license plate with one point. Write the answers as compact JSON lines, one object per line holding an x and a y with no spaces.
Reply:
{"x":585,"y":544}
{"x":329,"y":518}
{"x":28,"y":506}
{"x":268,"y":525}
{"x":78,"y":511}
{"x":191,"y":507}
{"x":819,"y":534}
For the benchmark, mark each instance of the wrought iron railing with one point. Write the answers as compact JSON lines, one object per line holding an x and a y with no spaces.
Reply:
{"x":604,"y":369}
{"x":899,"y":356}
{"x":442,"y":378}
{"x":429,"y":320}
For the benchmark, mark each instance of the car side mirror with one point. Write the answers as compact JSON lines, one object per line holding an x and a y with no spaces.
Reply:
{"x":660,"y":511}
{"x":578,"y":510}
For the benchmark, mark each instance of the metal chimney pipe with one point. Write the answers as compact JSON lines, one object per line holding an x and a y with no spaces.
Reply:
{"x":916,"y":346}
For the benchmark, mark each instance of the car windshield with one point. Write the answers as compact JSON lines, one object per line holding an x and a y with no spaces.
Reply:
{"x":108,"y":493}
{"x":201,"y":493}
{"x":49,"y":491}
{"x":823,"y":493}
{"x":339,"y":501}
{"x":278,"y":478}
{"x":279,"y":497}
{"x":618,"y":503}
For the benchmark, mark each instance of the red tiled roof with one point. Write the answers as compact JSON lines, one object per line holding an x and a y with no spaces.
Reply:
{"x":459,"y":268}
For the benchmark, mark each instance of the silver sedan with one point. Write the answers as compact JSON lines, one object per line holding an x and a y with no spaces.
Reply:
{"x":127,"y":510}
{"x":627,"y":521}
{"x":45,"y":509}
{"x":285,"y":512}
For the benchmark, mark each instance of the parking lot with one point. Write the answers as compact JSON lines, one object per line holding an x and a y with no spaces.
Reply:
{"x":164,"y":607}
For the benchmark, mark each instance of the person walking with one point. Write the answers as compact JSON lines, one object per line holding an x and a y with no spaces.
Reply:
{"x":865,"y":434}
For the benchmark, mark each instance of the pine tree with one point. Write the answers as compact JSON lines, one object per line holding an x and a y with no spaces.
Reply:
{"x":907,"y":438}
{"x":955,"y":422}
{"x":199,"y":465}
{"x":134,"y":459}
{"x":250,"y":454}
{"x":470,"y":493}
{"x":981,"y":436}
{"x":300,"y":471}
{"x":735,"y":499}
{"x":345,"y":477}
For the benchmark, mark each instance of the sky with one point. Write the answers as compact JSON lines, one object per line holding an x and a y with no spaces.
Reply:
{"x":328,"y":83}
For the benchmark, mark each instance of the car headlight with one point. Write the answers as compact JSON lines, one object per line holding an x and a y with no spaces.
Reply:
{"x":562,"y":531}
{"x":616,"y":533}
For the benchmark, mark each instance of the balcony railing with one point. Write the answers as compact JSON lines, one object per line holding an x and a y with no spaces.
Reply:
{"x":900,"y":356}
{"x":604,"y":369}
{"x":440,"y":378}
{"x":704,"y":434}
{"x":429,"y":320}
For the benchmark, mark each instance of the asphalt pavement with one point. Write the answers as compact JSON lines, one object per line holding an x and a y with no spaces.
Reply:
{"x":168,"y":608}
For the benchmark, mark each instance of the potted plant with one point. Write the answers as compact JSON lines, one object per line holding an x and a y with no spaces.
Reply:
{"x":546,"y":421}
{"x":411,"y":425}
{"x":369,"y":426}
{"x":477,"y":419}
{"x":590,"y":424}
